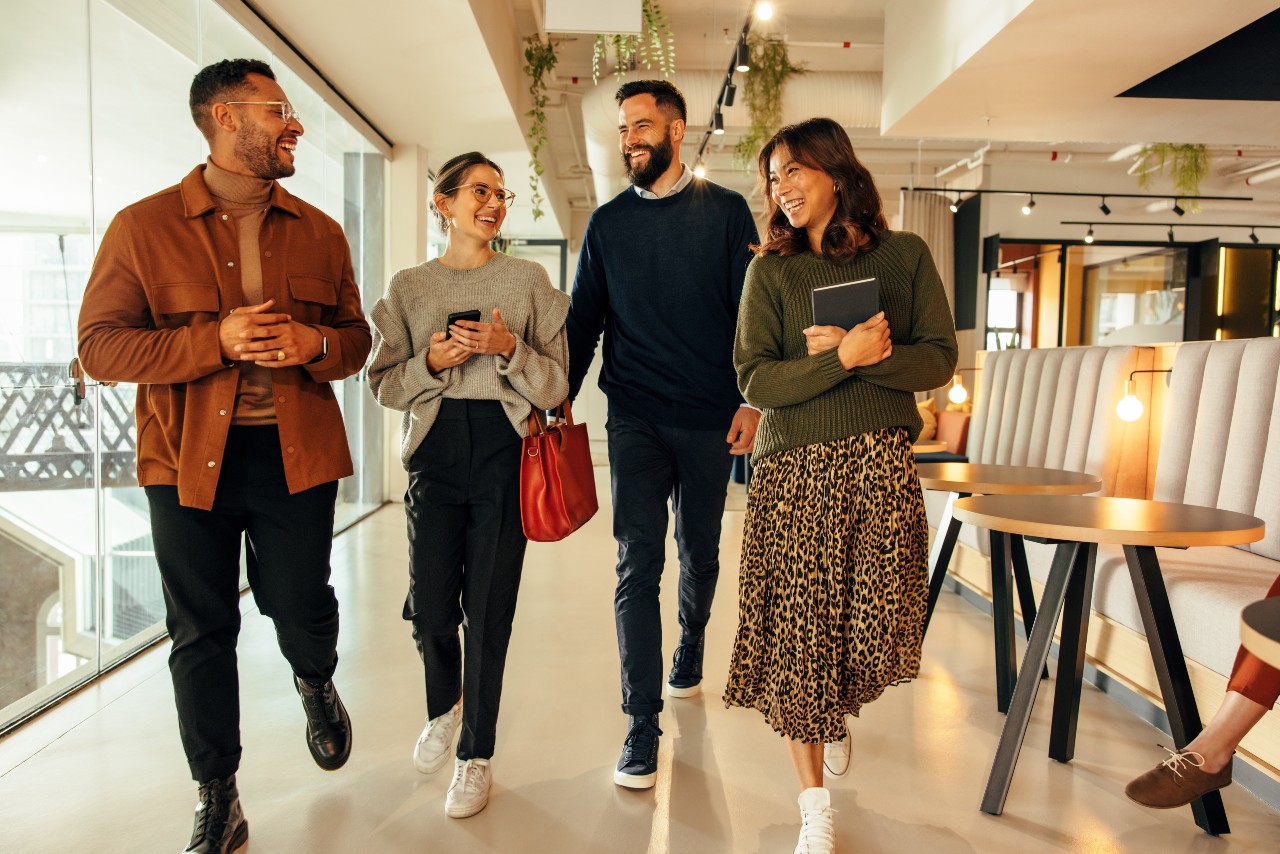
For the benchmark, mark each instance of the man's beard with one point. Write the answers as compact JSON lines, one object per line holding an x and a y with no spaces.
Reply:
{"x":257,"y":150}
{"x":660,"y":157}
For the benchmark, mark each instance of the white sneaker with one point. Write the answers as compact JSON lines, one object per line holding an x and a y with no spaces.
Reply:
{"x":817,"y":835}
{"x":835,"y":755}
{"x":469,"y":791}
{"x":433,"y":747}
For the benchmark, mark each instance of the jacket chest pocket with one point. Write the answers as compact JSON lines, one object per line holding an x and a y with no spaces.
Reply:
{"x":177,"y":303}
{"x":315,"y":297}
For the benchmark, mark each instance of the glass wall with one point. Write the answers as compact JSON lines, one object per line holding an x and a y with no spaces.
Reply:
{"x":95,"y":106}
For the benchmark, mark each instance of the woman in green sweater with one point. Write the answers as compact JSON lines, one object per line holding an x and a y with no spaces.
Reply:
{"x":834,"y":552}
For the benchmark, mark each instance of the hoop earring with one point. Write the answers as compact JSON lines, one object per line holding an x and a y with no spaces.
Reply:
{"x":836,"y":186}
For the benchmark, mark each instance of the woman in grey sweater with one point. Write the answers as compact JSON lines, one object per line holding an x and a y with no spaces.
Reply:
{"x":466,"y":392}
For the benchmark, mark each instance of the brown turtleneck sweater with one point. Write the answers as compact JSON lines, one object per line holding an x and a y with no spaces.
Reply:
{"x":244,"y":199}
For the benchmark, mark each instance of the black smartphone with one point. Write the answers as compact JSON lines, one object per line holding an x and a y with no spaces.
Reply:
{"x":472,"y":314}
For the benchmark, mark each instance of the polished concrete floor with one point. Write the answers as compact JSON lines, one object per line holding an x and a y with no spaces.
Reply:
{"x":104,"y":771}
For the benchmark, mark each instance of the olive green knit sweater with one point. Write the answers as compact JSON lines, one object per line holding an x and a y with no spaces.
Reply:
{"x":810,"y":399}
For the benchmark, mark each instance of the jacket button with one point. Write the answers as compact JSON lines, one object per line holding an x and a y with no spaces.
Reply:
{"x":231,"y":263}
{"x":224,"y":217}
{"x":212,"y":464}
{"x":268,"y":253}
{"x":281,"y":399}
{"x":290,"y":449}
{"x":222,"y":412}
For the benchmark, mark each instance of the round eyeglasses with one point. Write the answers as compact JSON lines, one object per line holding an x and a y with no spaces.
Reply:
{"x":484,"y":191}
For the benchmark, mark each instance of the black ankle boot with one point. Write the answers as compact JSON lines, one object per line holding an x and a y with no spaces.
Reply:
{"x":328,"y":726}
{"x":220,"y":827}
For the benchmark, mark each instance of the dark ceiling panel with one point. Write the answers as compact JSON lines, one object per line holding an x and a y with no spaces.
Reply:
{"x":1244,"y":66}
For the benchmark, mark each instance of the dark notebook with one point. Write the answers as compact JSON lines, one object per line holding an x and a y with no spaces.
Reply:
{"x":846,"y":304}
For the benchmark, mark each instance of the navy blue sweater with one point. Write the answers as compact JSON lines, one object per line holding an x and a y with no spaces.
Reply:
{"x":662,"y":278}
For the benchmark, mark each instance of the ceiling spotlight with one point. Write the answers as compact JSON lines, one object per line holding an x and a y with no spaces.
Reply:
{"x":743,"y":60}
{"x":1106,"y":211}
{"x":955,"y":205}
{"x":1170,"y":234}
{"x":1253,"y":236}
{"x":1177,"y":208}
{"x":764,"y":11}
{"x":729,"y":91}
{"x":700,"y":170}
{"x":1088,"y":237}
{"x":1031,"y":203}
{"x":717,"y":125}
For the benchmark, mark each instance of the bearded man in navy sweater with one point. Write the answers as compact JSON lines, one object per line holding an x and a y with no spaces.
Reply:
{"x":660,"y":274}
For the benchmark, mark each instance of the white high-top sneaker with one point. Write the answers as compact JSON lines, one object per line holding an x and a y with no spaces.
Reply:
{"x":835,"y":757}
{"x":469,"y":791}
{"x":817,"y":834}
{"x":432,"y":750}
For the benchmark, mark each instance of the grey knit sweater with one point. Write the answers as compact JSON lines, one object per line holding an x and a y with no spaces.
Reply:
{"x":810,"y":399}
{"x":418,"y":303}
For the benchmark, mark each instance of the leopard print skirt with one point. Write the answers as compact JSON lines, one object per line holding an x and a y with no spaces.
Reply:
{"x":832,"y":586}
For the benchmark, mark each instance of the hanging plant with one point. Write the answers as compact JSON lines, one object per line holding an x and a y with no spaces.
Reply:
{"x":539,"y":59}
{"x":762,"y":86}
{"x":1186,"y":165}
{"x":654,"y":47}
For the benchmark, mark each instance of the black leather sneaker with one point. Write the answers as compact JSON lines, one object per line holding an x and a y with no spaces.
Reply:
{"x":686,"y":668}
{"x":638,"y":767}
{"x":220,"y":827}
{"x":328,"y":726}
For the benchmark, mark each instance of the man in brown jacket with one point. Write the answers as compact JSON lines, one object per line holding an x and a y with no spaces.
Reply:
{"x":232,"y":304}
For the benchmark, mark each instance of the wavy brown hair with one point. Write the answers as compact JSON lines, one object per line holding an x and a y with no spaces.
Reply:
{"x":858,"y":220}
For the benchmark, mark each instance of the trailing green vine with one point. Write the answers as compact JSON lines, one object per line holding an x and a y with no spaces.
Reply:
{"x":762,"y":87}
{"x":1187,"y":165}
{"x":539,"y":60}
{"x":653,"y":48}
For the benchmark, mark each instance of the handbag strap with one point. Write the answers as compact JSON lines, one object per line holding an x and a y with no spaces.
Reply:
{"x":538,"y":422}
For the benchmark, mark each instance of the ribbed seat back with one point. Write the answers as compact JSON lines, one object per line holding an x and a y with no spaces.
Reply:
{"x":1221,"y":443}
{"x":1055,"y":408}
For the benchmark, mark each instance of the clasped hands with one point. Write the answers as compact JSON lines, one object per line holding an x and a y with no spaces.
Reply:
{"x":254,"y":333}
{"x":467,"y":338}
{"x":865,"y":344}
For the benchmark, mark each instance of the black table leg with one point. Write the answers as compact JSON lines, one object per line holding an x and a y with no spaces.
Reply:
{"x":1171,"y":670}
{"x":1022,"y":580}
{"x":1002,"y":613}
{"x":940,"y":555}
{"x":1024,"y":696}
{"x":1075,"y":636}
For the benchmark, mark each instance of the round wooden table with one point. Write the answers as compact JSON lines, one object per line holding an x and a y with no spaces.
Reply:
{"x":928,"y":446}
{"x":1077,"y":524}
{"x":1260,"y":630}
{"x":1008,"y":557}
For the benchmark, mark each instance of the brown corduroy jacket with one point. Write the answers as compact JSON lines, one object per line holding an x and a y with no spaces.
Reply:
{"x":167,"y":272}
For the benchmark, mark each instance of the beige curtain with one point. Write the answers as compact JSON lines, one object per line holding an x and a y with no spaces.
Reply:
{"x":928,"y":215}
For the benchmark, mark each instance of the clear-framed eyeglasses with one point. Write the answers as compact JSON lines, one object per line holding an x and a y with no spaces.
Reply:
{"x":287,"y":112}
{"x":484,"y":191}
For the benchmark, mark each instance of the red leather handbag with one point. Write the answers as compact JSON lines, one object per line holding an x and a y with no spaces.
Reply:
{"x":557,"y":485}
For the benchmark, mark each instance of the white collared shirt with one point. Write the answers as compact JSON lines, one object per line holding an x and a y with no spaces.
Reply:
{"x":685,"y":179}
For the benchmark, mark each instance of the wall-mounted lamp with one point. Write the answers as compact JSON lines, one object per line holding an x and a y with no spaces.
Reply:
{"x":743,"y":61}
{"x":1130,"y":408}
{"x":1031,"y":203}
{"x":1106,"y":211}
{"x":958,"y":393}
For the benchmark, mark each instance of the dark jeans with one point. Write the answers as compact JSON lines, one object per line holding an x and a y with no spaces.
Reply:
{"x":649,"y":464}
{"x":466,"y":550}
{"x":289,"y":538}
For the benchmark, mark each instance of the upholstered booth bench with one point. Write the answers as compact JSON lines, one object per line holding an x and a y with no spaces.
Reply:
{"x":1214,"y":441}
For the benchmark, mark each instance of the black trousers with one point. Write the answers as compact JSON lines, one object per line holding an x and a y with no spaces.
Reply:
{"x":289,"y":538}
{"x":466,"y":551}
{"x":649,"y":465}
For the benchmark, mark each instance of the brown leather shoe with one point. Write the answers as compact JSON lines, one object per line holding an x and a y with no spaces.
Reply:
{"x":1176,"y":782}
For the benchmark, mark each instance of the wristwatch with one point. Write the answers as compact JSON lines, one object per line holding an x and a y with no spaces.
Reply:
{"x":324,"y":350}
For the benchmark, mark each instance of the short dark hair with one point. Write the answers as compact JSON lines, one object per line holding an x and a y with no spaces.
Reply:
{"x":218,"y":82}
{"x":451,"y":175}
{"x":858,"y":221}
{"x":669,"y":98}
